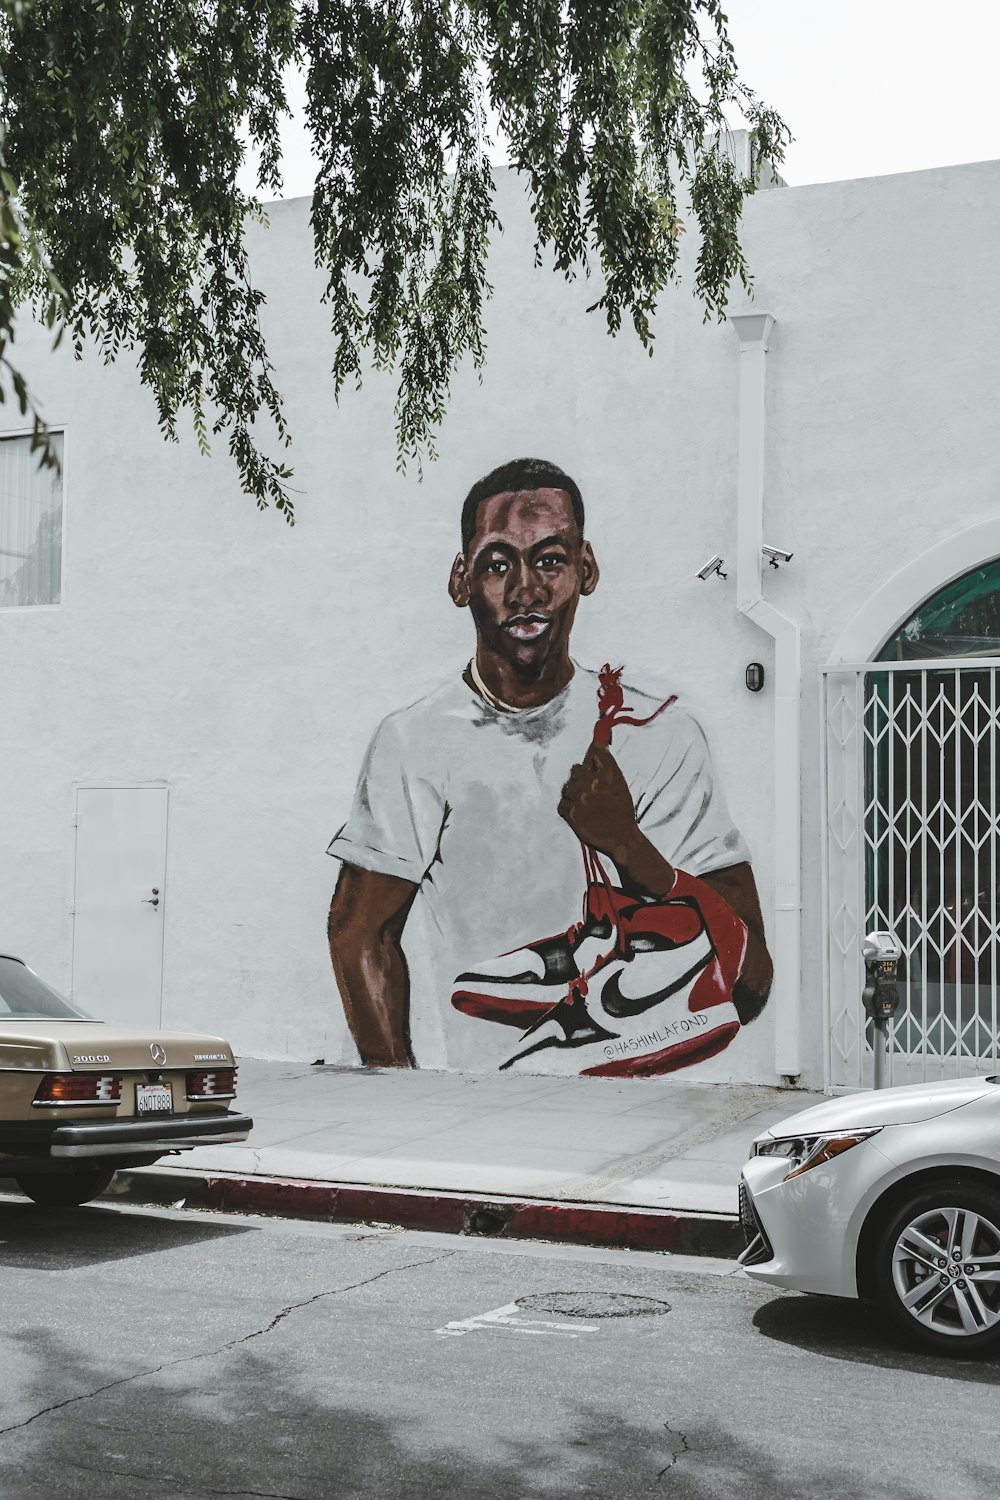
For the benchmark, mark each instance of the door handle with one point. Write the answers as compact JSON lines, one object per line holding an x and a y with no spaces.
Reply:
{"x":154,"y":900}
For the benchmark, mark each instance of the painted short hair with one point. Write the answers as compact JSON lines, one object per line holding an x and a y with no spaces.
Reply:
{"x":513,"y":478}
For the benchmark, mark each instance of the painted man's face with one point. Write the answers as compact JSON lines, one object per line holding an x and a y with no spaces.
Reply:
{"x":522,"y":577}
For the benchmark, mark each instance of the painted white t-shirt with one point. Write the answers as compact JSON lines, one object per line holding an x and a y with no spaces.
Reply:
{"x":462,"y":800}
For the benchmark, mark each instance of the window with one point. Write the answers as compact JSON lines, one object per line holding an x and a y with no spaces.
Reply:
{"x":962,"y":620}
{"x":932,"y":816}
{"x":30,"y":525}
{"x":24,"y":996}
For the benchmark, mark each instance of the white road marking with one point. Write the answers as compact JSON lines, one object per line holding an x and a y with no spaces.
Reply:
{"x":511,"y":1317}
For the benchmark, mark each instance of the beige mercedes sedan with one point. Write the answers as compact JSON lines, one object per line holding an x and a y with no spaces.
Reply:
{"x":80,"y":1098}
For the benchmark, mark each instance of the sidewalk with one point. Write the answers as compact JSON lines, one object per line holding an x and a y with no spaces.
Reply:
{"x":637,"y":1161}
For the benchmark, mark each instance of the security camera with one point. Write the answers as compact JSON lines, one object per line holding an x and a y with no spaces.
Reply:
{"x":776,"y":555}
{"x":714,"y":565}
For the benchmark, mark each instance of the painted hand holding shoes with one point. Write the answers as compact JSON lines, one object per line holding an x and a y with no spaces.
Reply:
{"x":637,"y":987}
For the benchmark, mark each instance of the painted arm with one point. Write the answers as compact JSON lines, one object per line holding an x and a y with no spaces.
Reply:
{"x":598,"y":806}
{"x":738,"y":888}
{"x":367,"y":916}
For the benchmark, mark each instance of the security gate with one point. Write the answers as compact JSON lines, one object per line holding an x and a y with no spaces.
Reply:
{"x":912,"y":844}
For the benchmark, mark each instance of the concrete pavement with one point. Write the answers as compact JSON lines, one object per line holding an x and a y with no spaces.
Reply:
{"x":182,"y":1356}
{"x":609,"y":1159}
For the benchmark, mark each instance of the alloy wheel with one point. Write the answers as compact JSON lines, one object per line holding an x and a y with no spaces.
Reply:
{"x":946,"y":1271}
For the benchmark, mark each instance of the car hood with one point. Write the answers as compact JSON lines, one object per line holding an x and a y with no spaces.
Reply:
{"x":86,"y":1045}
{"x":902,"y":1106}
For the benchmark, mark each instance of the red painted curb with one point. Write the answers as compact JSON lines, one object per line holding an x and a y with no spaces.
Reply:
{"x":455,"y":1213}
{"x":270,"y":1195}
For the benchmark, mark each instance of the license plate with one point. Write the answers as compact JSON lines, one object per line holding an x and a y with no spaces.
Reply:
{"x":154,"y":1099}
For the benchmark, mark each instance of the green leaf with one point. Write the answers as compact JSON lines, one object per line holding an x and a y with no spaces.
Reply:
{"x":126,"y":123}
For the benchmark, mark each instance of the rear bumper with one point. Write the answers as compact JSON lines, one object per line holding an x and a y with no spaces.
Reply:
{"x":113,"y":1139}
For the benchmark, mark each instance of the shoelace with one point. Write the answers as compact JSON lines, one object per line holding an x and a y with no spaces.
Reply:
{"x":611,"y":710}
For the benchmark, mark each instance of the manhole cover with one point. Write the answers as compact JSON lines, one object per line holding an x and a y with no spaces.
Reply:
{"x":593,"y":1304}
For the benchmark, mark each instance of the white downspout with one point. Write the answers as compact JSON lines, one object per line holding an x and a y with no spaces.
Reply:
{"x":752,"y":330}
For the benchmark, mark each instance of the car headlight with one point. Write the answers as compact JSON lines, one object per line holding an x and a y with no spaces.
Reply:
{"x":806,"y":1151}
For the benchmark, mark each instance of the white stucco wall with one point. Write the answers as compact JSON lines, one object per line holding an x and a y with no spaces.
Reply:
{"x":246,"y":664}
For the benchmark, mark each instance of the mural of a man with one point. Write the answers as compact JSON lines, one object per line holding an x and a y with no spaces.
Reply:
{"x":474,"y":807}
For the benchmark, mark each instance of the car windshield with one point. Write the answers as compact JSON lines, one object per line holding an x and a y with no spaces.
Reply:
{"x":24,"y":996}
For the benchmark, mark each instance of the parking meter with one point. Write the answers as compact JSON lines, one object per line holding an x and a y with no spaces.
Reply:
{"x":881,"y":952}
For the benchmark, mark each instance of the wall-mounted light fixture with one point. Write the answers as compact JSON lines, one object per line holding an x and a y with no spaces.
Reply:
{"x":755,"y":676}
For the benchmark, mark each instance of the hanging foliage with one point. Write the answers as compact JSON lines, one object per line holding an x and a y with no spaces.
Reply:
{"x":125,"y":124}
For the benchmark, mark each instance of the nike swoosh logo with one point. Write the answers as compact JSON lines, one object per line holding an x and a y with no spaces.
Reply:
{"x":620,"y":1007}
{"x":496,"y":971}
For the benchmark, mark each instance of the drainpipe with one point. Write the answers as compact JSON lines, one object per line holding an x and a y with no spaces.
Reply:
{"x":752,"y":330}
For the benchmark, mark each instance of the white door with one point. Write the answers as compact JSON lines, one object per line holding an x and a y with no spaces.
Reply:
{"x":121,"y":861}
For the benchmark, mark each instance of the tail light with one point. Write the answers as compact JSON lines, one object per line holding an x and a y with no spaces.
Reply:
{"x":219,"y":1083}
{"x":79,"y":1088}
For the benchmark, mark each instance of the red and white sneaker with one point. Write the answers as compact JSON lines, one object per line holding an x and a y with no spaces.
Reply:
{"x":637,"y":988}
{"x":518,"y":987}
{"x":661,"y":1001}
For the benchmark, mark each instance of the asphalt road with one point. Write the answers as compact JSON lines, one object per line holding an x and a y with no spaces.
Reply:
{"x":148,"y":1353}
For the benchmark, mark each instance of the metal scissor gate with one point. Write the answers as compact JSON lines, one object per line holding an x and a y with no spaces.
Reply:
{"x":912,"y":843}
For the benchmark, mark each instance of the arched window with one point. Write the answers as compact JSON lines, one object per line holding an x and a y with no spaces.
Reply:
{"x":932,"y":819}
{"x":961,"y":620}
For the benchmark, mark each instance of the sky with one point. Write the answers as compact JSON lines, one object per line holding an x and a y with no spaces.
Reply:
{"x":867,"y":87}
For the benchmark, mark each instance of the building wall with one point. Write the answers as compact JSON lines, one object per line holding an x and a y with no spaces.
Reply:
{"x":246,"y":663}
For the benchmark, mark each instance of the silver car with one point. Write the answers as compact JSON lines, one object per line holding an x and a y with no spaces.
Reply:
{"x":892,"y":1196}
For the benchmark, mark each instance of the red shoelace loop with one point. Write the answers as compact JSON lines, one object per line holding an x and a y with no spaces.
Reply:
{"x":611,"y":708}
